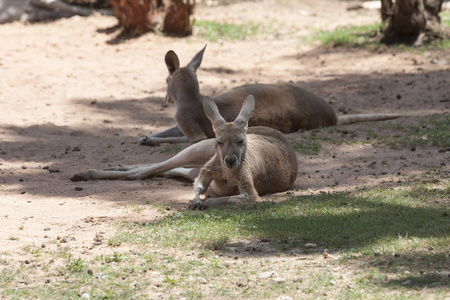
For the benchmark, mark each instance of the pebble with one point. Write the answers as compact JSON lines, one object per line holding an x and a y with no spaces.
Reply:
{"x":265,"y":275}
{"x":202,"y":280}
{"x":279,"y":280}
{"x":78,"y":188}
{"x":310,"y":245}
{"x":407,"y":282}
{"x":284,"y":297}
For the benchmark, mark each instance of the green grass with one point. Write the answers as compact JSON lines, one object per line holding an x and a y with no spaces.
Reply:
{"x":349,"y":36}
{"x":215,"y":32}
{"x":306,"y":146}
{"x":431,"y":130}
{"x":445,"y":18}
{"x":363,"y":36}
{"x":362,"y":221}
{"x":219,"y":252}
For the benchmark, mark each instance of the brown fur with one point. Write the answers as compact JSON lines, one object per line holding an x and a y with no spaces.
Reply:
{"x":242,"y":167}
{"x":238,"y":166}
{"x":283,"y":106}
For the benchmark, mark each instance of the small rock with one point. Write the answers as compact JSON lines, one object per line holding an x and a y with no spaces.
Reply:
{"x":43,"y":245}
{"x":332,"y":282}
{"x":86,"y":296}
{"x":241,"y":284}
{"x":284,"y":297}
{"x":279,"y":280}
{"x":431,"y":248}
{"x":265,"y":275}
{"x":407,"y":282}
{"x":310,"y":245}
{"x":78,"y":188}
{"x":202,"y":280}
{"x":47,"y":229}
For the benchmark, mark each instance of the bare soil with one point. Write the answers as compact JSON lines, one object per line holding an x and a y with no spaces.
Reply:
{"x":73,"y":99}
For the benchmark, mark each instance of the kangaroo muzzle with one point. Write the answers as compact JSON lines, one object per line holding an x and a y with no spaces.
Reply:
{"x":231,"y":162}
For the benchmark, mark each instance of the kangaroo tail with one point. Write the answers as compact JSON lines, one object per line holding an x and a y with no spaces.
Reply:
{"x":351,"y":119}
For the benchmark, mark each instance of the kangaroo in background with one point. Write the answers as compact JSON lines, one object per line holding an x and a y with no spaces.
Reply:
{"x":238,"y":164}
{"x":283,"y":106}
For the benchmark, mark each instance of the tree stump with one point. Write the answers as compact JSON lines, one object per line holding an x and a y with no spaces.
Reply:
{"x":139,"y":16}
{"x":410,"y":21}
{"x":177,"y":20}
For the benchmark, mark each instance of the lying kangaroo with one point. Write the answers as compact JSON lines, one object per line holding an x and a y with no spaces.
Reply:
{"x":282,"y":106}
{"x":237,"y":166}
{"x":243,"y":167}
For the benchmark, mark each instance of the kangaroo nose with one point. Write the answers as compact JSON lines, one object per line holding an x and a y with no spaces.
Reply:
{"x":231,"y":161}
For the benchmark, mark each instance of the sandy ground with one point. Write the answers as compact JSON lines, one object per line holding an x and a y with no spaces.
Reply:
{"x":70,"y":101}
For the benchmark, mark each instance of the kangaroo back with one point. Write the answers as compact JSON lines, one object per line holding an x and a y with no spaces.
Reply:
{"x":272,"y":159}
{"x":283,"y":106}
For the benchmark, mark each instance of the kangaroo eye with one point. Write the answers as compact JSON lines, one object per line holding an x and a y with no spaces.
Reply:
{"x":219,"y":143}
{"x":240,"y":142}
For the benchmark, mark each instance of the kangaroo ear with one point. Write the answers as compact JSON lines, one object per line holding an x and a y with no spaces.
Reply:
{"x":212,"y":112}
{"x":172,"y":61}
{"x":197,"y":60}
{"x":246,"y":112}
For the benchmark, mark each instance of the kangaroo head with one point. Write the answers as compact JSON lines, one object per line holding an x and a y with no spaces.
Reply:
{"x":182,"y":82}
{"x":231,"y":138}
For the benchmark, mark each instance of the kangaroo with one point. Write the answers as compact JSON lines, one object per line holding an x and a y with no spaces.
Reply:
{"x":283,"y":106}
{"x":244,"y":166}
{"x":239,"y":164}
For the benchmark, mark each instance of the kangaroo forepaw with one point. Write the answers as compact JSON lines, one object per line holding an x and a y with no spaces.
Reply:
{"x":197,"y":206}
{"x":147,"y":141}
{"x":79,"y":177}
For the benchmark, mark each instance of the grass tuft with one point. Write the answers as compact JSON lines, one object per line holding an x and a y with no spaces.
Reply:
{"x":366,"y":37}
{"x":215,"y":32}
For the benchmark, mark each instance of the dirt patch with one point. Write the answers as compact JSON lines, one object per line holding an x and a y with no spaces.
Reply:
{"x":71,"y":101}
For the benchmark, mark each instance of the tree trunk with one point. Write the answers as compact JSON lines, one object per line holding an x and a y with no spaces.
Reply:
{"x":139,"y":16}
{"x":387,"y":9}
{"x":177,"y":20}
{"x":408,"y":19}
